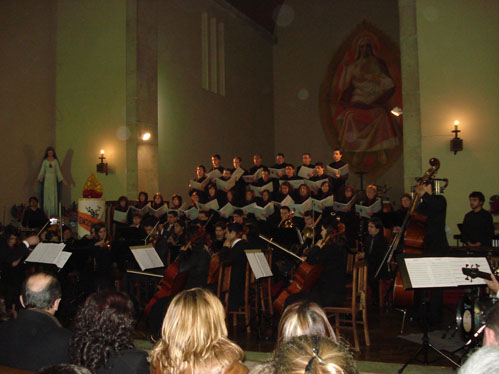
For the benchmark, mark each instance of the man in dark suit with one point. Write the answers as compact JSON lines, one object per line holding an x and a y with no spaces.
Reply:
{"x":36,"y":338}
{"x":233,"y":251}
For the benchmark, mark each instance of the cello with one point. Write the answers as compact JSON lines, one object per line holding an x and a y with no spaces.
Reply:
{"x":306,"y":275}
{"x":412,"y":233}
{"x":173,"y":280}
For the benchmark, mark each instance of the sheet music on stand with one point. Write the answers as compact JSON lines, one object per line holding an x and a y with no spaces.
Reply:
{"x":258,"y":263}
{"x":431,"y":272}
{"x":146,"y":256}
{"x":49,"y":253}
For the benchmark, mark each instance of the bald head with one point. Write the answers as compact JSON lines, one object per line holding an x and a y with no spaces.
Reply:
{"x":41,"y":291}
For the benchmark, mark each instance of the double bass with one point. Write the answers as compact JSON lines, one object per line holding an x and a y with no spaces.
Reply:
{"x":412,"y":233}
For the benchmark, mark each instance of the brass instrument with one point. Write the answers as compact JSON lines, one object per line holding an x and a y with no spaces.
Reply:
{"x":308,"y":232}
{"x":287,"y":223}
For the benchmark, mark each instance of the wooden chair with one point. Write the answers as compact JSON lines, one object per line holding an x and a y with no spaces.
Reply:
{"x":346,"y":317}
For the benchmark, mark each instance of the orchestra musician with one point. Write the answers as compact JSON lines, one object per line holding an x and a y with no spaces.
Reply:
{"x":478,"y":225}
{"x":177,"y":239}
{"x":330,"y":252}
{"x":374,"y":249}
{"x":434,"y":207}
{"x":233,"y":251}
{"x":33,"y":217}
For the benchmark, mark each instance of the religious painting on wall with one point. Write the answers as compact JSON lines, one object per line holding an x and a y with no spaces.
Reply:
{"x":362,"y":85}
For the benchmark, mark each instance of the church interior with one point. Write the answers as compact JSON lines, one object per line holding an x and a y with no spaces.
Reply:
{"x":245,"y":77}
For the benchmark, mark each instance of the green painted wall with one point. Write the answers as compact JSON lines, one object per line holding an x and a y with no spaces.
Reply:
{"x":27,"y":110}
{"x":459,"y":78}
{"x":91,"y":91}
{"x":194,"y":123}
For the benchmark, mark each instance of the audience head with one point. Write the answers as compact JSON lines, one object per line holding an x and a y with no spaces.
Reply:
{"x":313,"y":355}
{"x":194,"y":333}
{"x":41,"y":291}
{"x":64,"y":369}
{"x":483,"y":361}
{"x":491,"y":334}
{"x":102,"y":326}
{"x":303,"y":318}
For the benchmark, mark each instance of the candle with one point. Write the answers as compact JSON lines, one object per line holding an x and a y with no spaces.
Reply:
{"x":456,"y":125}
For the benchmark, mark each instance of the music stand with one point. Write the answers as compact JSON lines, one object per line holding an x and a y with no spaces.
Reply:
{"x":261,"y":270}
{"x":422,"y":272}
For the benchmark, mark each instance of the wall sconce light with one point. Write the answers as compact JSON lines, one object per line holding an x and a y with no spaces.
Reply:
{"x":396,"y":111}
{"x":146,"y":136}
{"x":102,"y":166}
{"x":456,"y":143}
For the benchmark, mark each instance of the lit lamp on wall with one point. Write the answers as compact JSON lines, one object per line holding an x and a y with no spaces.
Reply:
{"x":146,"y":136}
{"x":456,"y":144}
{"x":102,"y":166}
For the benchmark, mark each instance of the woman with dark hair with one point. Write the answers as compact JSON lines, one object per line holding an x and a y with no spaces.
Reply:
{"x":102,"y":339}
{"x":50,"y":174}
{"x":374,"y":249}
{"x":157,"y":201}
{"x":143,"y":200}
{"x":176,"y":202}
{"x":123,"y":207}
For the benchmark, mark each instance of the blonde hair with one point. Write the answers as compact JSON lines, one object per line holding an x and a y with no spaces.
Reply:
{"x":319,"y":353}
{"x":194,"y":333}
{"x":303,"y":318}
